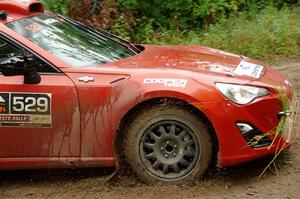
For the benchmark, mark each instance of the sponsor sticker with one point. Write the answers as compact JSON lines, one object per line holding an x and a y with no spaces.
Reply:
{"x":167,"y":82}
{"x":249,"y":69}
{"x":25,"y":110}
{"x":34,"y":27}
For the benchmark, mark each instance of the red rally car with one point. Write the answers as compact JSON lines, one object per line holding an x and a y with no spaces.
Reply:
{"x":73,"y":96}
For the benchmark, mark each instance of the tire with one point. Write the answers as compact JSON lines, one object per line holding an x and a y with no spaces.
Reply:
{"x":166,"y":144}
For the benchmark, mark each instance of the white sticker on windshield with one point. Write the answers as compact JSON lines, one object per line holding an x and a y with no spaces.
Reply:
{"x":249,"y":69}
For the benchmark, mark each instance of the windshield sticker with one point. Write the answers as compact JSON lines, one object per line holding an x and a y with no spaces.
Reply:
{"x":249,"y":69}
{"x":34,"y":27}
{"x":167,"y":82}
{"x":25,"y":110}
{"x":50,"y":21}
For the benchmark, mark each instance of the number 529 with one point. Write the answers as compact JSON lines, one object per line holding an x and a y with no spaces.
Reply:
{"x":30,"y":104}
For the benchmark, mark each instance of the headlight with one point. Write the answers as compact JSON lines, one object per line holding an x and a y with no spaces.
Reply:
{"x":241,"y":94}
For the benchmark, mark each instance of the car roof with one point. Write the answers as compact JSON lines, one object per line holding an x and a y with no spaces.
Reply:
{"x":18,"y":9}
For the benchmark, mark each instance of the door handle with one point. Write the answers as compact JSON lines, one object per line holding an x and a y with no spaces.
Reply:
{"x":86,"y":79}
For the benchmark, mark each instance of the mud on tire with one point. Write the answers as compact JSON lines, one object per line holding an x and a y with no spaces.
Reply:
{"x":166,"y":144}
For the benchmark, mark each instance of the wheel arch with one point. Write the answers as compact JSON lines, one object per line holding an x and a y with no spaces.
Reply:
{"x":133,"y":112}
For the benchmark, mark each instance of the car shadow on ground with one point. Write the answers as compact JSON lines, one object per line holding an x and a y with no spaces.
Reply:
{"x":245,"y":172}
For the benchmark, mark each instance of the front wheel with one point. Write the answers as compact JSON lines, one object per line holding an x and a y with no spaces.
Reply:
{"x":168,"y":145}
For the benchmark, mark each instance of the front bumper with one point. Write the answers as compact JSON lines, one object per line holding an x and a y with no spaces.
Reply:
{"x":263,"y":113}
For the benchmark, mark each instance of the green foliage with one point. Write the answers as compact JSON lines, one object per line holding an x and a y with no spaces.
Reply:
{"x":122,"y":28}
{"x":178,"y":14}
{"x":262,"y":35}
{"x":266,"y":34}
{"x":146,"y":31}
{"x":257,"y":28}
{"x":58,"y":6}
{"x":183,"y":14}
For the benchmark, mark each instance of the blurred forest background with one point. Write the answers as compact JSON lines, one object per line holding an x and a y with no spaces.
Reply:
{"x":262,"y":29}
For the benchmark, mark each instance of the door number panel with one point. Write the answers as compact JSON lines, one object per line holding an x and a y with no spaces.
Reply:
{"x":25,"y":110}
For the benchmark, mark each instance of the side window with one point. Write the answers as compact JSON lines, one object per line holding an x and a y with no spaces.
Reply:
{"x":8,"y":50}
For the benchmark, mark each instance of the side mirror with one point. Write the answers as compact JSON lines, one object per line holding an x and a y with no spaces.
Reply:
{"x":21,"y":65}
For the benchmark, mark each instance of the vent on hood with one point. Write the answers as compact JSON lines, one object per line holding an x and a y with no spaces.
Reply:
{"x":36,"y":7}
{"x":21,"y":7}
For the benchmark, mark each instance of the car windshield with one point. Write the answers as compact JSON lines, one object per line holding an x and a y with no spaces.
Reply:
{"x":70,"y":42}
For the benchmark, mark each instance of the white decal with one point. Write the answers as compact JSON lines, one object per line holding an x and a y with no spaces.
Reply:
{"x":167,"y":82}
{"x":25,"y":110}
{"x":249,"y":69}
{"x":2,"y":100}
{"x":50,"y":21}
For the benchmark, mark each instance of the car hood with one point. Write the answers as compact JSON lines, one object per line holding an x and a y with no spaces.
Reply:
{"x":198,"y":59}
{"x":202,"y":64}
{"x":276,"y":80}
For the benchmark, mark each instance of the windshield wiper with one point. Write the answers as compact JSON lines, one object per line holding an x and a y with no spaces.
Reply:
{"x":106,"y":34}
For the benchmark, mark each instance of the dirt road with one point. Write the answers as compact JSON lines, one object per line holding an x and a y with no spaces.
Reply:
{"x":234,"y":182}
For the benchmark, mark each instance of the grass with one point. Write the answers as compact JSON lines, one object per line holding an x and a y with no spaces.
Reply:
{"x":285,"y":125}
{"x":265,"y":35}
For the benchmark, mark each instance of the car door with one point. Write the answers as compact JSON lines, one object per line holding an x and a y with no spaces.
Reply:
{"x":37,"y":120}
